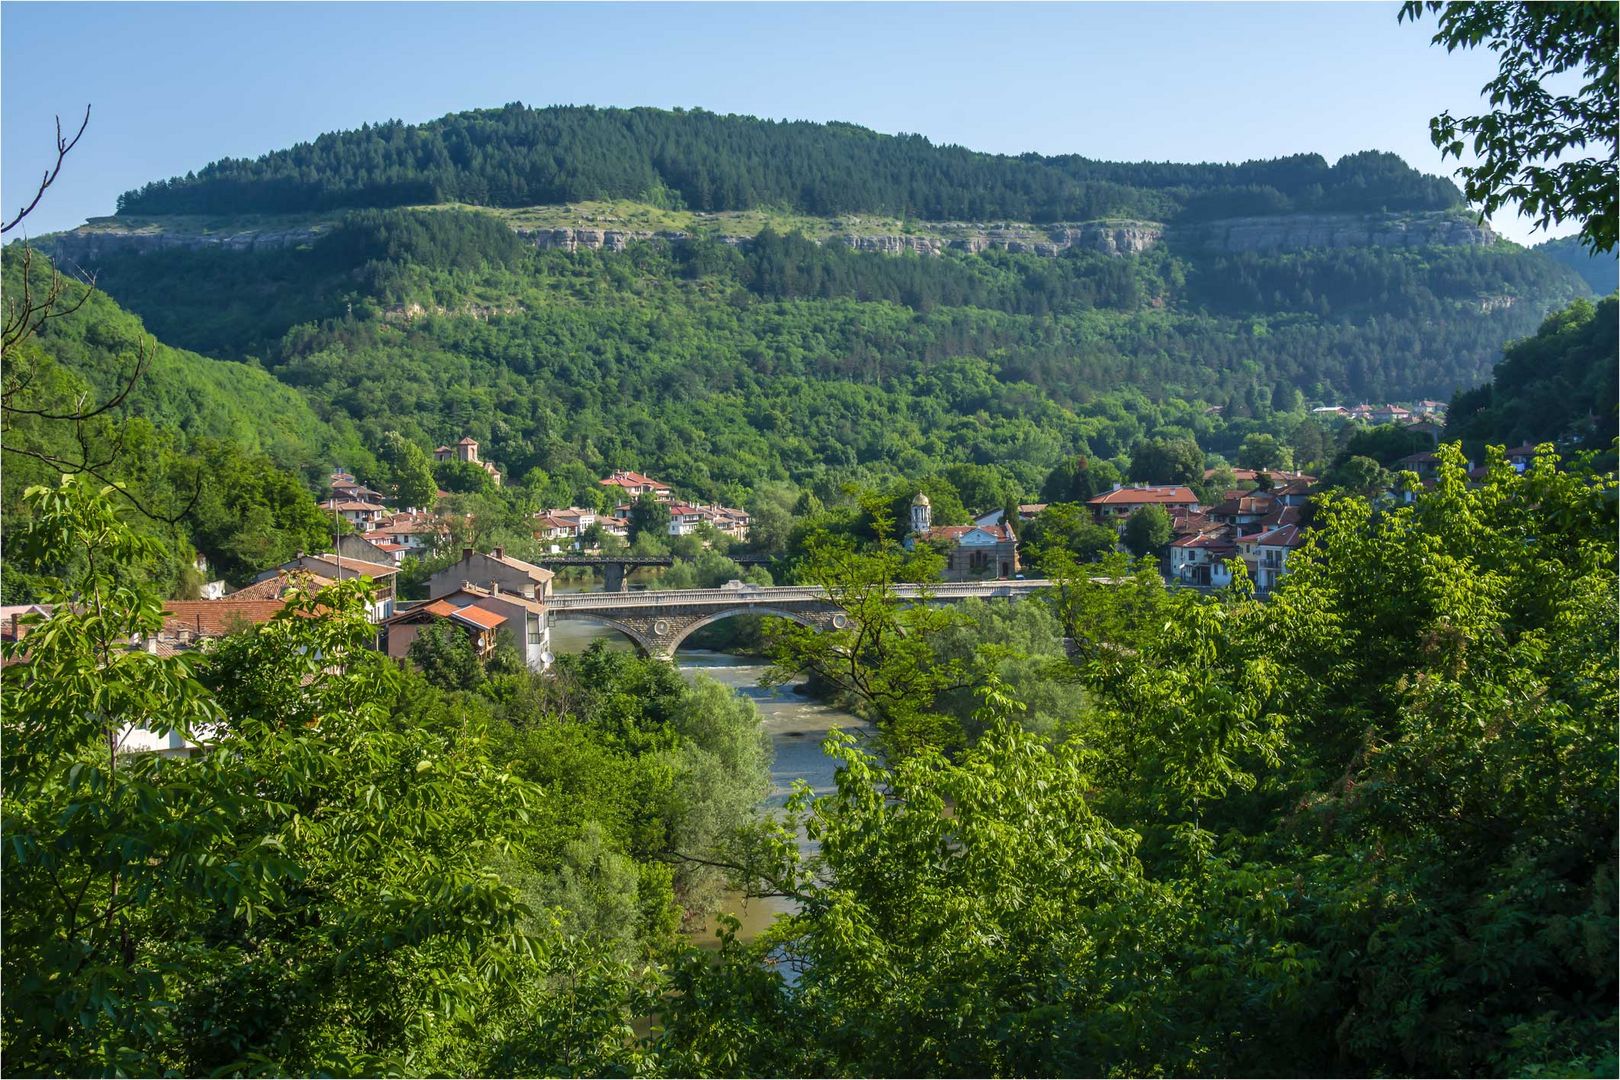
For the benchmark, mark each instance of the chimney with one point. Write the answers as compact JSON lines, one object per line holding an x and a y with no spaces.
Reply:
{"x":466,"y":554}
{"x":500,"y":553}
{"x":494,"y":588}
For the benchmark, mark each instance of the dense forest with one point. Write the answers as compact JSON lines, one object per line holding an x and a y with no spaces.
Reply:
{"x":519,"y":156}
{"x":1558,"y":386}
{"x":1601,"y":272}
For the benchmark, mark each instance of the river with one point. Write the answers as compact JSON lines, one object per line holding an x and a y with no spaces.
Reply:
{"x":796,"y":726}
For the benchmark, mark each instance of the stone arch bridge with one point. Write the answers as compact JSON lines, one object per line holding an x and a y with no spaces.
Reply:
{"x":659,"y":620}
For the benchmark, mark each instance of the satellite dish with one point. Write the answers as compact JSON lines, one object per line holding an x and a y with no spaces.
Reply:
{"x":546,"y":658}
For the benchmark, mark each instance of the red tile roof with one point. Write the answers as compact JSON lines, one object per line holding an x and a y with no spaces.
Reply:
{"x":1214,"y":541}
{"x":1288,"y":536}
{"x":1255,"y":502}
{"x":489,"y":620}
{"x":1160,"y":495}
{"x":216,"y":618}
{"x":628,"y":478}
{"x":1001,"y":532}
{"x":1281,"y":515}
{"x":351,"y":504}
{"x":276,"y":586}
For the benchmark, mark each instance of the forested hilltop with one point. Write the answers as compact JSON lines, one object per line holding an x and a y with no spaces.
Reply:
{"x":520,"y":156}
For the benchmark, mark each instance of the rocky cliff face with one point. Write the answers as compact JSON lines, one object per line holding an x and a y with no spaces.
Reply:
{"x":1293,"y":232}
{"x":88,"y":243}
{"x":591,"y":239}
{"x":1297,"y":232}
{"x":1110,"y":238}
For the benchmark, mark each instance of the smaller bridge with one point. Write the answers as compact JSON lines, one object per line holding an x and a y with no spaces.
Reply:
{"x":659,"y":620}
{"x":616,"y":567}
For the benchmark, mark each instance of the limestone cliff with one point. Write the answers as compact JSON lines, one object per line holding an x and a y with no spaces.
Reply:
{"x":1283,"y":233}
{"x":1298,"y":232}
{"x":90,"y":242}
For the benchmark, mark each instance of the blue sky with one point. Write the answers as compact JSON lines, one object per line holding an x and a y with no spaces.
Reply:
{"x":175,"y":86}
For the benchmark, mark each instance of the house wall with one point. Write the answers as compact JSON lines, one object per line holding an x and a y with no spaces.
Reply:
{"x":1001,"y":561}
{"x":484,"y":572}
{"x":400,"y":636}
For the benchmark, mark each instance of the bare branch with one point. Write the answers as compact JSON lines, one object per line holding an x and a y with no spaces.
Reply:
{"x":143,"y":360}
{"x":93,"y":469}
{"x":63,"y":147}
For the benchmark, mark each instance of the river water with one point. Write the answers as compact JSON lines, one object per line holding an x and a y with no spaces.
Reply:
{"x":796,"y":726}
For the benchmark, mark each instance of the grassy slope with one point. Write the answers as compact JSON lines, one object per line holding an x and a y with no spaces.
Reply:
{"x":193,"y":394}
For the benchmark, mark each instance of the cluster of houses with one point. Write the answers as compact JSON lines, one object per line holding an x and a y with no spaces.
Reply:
{"x":1259,"y":524}
{"x":482,"y":594}
{"x":569,"y":526}
{"x":1426,"y":416}
{"x":384,"y":534}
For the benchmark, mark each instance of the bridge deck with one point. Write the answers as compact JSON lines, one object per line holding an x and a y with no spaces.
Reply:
{"x":635,"y":560}
{"x":764,"y":596}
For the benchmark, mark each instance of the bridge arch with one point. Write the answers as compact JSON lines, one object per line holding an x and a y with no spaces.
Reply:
{"x":687,"y":627}
{"x":635,"y":636}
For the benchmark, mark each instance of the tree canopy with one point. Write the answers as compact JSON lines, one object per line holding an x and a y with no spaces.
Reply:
{"x":520,"y":156}
{"x":1532,"y":147}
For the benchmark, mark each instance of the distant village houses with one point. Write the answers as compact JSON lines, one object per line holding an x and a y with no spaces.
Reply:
{"x":1114,"y":507}
{"x":567,"y":526}
{"x":634,"y":485}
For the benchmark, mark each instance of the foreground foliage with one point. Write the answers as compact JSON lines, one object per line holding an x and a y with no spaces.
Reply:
{"x":360,"y":874}
{"x":1367,"y":828}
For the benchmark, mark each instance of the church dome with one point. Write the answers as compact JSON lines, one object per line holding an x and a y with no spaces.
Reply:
{"x":921,"y":500}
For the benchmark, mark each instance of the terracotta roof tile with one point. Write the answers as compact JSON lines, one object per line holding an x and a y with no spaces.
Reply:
{"x":1156,"y":495}
{"x":276,"y":586}
{"x":216,"y":618}
{"x":489,"y":620}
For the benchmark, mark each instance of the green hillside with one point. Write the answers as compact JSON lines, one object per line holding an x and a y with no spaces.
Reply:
{"x":181,"y":390}
{"x":722,"y":366}
{"x":1600,"y":272}
{"x":209,"y":456}
{"x":1558,"y":386}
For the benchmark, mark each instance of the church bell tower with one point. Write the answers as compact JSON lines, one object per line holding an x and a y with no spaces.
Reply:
{"x":921,"y":514}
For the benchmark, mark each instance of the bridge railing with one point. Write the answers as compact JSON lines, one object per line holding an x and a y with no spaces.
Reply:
{"x":765,"y":595}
